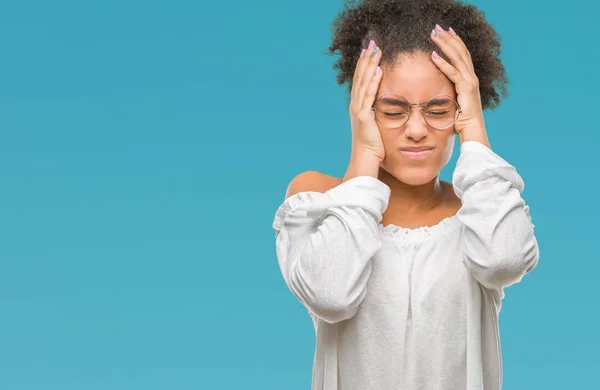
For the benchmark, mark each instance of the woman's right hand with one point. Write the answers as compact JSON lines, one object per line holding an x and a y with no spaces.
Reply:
{"x":366,"y":137}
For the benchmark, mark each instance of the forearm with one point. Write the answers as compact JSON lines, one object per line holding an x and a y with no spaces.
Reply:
{"x":362,"y":163}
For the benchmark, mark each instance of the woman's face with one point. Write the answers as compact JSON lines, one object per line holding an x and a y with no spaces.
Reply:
{"x":417,"y":79}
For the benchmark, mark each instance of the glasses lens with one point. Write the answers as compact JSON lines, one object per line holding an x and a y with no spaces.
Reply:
{"x":441,"y":112}
{"x":392,"y":110}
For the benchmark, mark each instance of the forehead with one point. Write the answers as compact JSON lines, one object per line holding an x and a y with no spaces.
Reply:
{"x":416,"y":78}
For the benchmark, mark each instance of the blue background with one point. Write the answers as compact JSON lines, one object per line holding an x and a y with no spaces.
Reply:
{"x":144,"y":149}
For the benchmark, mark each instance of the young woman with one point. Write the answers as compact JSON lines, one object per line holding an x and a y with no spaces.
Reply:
{"x":402,"y":273}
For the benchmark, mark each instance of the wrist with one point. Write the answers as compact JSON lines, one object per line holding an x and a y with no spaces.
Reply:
{"x":362,"y":163}
{"x":477,"y":136}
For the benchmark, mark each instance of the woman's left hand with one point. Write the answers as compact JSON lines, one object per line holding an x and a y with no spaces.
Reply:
{"x":470,"y":125}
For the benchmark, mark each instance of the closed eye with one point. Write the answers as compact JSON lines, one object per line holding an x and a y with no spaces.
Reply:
{"x":395,"y":113}
{"x":437,"y":113}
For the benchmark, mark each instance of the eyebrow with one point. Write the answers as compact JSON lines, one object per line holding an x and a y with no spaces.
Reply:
{"x":392,"y":100}
{"x":400,"y":102}
{"x":439,"y":101}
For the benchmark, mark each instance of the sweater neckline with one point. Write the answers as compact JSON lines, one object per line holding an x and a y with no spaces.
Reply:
{"x":446,"y":225}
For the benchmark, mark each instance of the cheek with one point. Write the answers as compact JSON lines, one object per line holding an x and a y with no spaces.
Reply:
{"x":390,"y":140}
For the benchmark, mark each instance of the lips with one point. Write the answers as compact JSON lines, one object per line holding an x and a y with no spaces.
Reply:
{"x":416,"y":153}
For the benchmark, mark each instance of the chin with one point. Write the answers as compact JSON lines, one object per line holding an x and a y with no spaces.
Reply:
{"x":413,"y":176}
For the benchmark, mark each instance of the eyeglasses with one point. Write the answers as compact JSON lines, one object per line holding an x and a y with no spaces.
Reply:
{"x":393,"y":111}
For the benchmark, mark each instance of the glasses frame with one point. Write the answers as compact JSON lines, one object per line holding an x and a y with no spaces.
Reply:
{"x":410,"y":111}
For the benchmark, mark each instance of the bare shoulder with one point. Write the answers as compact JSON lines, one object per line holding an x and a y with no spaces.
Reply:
{"x":312,"y":181}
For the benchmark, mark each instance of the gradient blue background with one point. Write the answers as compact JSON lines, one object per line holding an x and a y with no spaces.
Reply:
{"x":136,"y":249}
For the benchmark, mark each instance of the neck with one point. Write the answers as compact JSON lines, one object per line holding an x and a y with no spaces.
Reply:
{"x":409,"y":199}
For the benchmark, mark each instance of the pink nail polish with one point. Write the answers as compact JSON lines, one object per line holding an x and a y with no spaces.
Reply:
{"x":362,"y":53}
{"x":371,"y":44}
{"x":438,"y":27}
{"x":451,"y":30}
{"x":436,"y":55}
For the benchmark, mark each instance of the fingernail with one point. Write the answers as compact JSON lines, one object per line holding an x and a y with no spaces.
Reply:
{"x":438,"y":27}
{"x":362,"y":52}
{"x":371,"y":44}
{"x":436,"y":55}
{"x":378,"y":70}
{"x":435,"y":34}
{"x":451,"y":30}
{"x":375,"y":51}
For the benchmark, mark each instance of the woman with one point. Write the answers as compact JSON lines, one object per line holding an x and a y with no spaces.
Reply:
{"x":402,"y":273}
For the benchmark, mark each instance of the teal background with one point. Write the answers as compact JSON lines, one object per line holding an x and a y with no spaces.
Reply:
{"x":145,"y":146}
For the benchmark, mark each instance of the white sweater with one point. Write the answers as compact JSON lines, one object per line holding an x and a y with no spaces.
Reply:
{"x":408,"y":309}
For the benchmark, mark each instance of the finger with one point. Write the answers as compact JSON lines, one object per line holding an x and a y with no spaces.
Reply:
{"x":465,"y":49}
{"x":454,"y":41}
{"x":362,"y":63}
{"x":459,"y":39}
{"x":357,"y":74}
{"x":453,"y":74}
{"x":451,"y":48}
{"x":374,"y":56}
{"x":371,"y":90}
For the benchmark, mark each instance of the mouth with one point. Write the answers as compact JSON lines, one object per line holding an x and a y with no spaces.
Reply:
{"x":416,"y":154}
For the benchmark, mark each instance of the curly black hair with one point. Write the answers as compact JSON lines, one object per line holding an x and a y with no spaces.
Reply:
{"x":404,"y":26}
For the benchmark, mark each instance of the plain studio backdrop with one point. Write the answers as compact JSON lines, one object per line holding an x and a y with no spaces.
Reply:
{"x":146,"y":145}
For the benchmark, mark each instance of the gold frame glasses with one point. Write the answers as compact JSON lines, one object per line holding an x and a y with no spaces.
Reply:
{"x":399,"y":100}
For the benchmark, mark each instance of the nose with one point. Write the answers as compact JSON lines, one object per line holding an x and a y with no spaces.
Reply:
{"x":416,"y":127}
